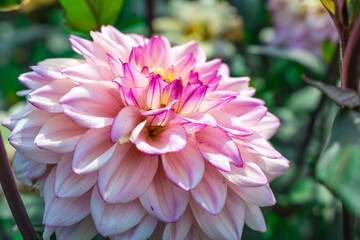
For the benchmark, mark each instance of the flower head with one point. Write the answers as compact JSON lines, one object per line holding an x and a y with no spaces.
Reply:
{"x":301,"y":24}
{"x":140,"y":134}
{"x":214,"y":24}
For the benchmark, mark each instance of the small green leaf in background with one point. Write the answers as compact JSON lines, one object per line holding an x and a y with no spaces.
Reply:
{"x":329,"y":4}
{"x":305,"y":58}
{"x":86,"y":15}
{"x":339,"y":164}
{"x":10,"y":5}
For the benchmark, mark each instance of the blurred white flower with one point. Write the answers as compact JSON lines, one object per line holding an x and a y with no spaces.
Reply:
{"x":214,"y":24}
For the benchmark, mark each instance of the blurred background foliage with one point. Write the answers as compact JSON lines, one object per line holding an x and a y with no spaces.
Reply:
{"x":238,"y":31}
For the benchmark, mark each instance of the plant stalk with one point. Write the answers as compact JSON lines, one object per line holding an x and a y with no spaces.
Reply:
{"x":13,"y":197}
{"x":348,"y":224}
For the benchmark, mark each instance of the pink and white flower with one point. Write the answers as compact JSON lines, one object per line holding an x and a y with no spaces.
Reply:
{"x":140,"y":135}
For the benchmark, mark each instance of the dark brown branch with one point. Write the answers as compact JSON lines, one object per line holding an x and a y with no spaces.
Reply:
{"x":351,"y":61}
{"x":348,"y":224}
{"x":150,"y":15}
{"x":13,"y":197}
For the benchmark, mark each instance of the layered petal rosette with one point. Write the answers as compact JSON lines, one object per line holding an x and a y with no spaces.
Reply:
{"x":142,"y":139}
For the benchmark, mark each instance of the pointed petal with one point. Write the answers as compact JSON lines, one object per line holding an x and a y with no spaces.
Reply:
{"x":228,"y":224}
{"x":164,"y":200}
{"x":61,"y":212}
{"x":249,"y":175}
{"x":88,"y":72}
{"x":260,"y":196}
{"x":220,"y":152}
{"x":36,"y":170}
{"x":234,"y":84}
{"x":179,"y":229}
{"x":47,"y":97}
{"x":48,"y":72}
{"x":69,"y":184}
{"x":33,"y":81}
{"x":125,"y":122}
{"x":185,"y":168}
{"x":59,"y":134}
{"x":254,"y":115}
{"x":260,"y":145}
{"x":267,"y":127}
{"x":84,"y":229}
{"x":193,"y":96}
{"x":231,"y":123}
{"x":104,"y":99}
{"x":141,"y":232}
{"x":172,"y":138}
{"x":254,"y":217}
{"x":21,"y":168}
{"x":153,"y":96}
{"x":111,"y":219}
{"x":118,"y":180}
{"x":211,"y":192}
{"x":90,"y":50}
{"x":93,"y":150}
{"x":190,"y":47}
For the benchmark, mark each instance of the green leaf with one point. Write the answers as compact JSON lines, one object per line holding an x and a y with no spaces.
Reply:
{"x":86,"y":15}
{"x":305,"y":58}
{"x":342,"y":96}
{"x":329,"y":4}
{"x":339,"y":164}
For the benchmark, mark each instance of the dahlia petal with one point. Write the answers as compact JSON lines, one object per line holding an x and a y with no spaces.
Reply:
{"x":84,"y":229}
{"x":211,"y":192}
{"x":118,"y":181}
{"x":59,"y":134}
{"x":164,"y":200}
{"x":33,"y":80}
{"x":24,"y":112}
{"x":260,"y":196}
{"x":171,"y":92}
{"x":61,"y":212}
{"x":234,"y":84}
{"x":254,"y":217}
{"x":196,"y":118}
{"x":253,"y":116}
{"x":153,"y":96}
{"x":179,"y":229}
{"x":48,"y":72}
{"x":184,"y":65}
{"x":47,"y":97}
{"x":228,"y":224}
{"x":90,"y":50}
{"x":267,"y":126}
{"x":134,"y":77}
{"x":160,"y":52}
{"x":242,"y":105}
{"x":36,"y":170}
{"x":88,"y":72}
{"x":97,"y":95}
{"x":22,"y":139}
{"x":115,"y":65}
{"x":111,"y":219}
{"x":69,"y":184}
{"x":9,"y":123}
{"x":206,"y":67}
{"x":190,"y":47}
{"x":193,"y":96}
{"x":48,"y":231}
{"x":185,"y":168}
{"x":126,"y":120}
{"x":140,"y":232}
{"x":93,"y":150}
{"x":231,"y":123}
{"x":219,"y":153}
{"x":261,"y":146}
{"x":249,"y":175}
{"x":217,"y":100}
{"x":60,"y":62}
{"x":21,"y":168}
{"x":171,"y":139}
{"x":109,"y":45}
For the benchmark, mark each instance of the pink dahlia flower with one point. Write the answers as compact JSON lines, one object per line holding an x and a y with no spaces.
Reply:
{"x":142,"y":139}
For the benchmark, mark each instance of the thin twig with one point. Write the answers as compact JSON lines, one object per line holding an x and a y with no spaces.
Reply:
{"x":13,"y":197}
{"x":348,"y":224}
{"x":150,"y":15}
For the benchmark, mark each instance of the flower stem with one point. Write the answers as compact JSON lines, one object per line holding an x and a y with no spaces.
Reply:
{"x":348,"y":224}
{"x":13,"y":197}
{"x":150,"y":15}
